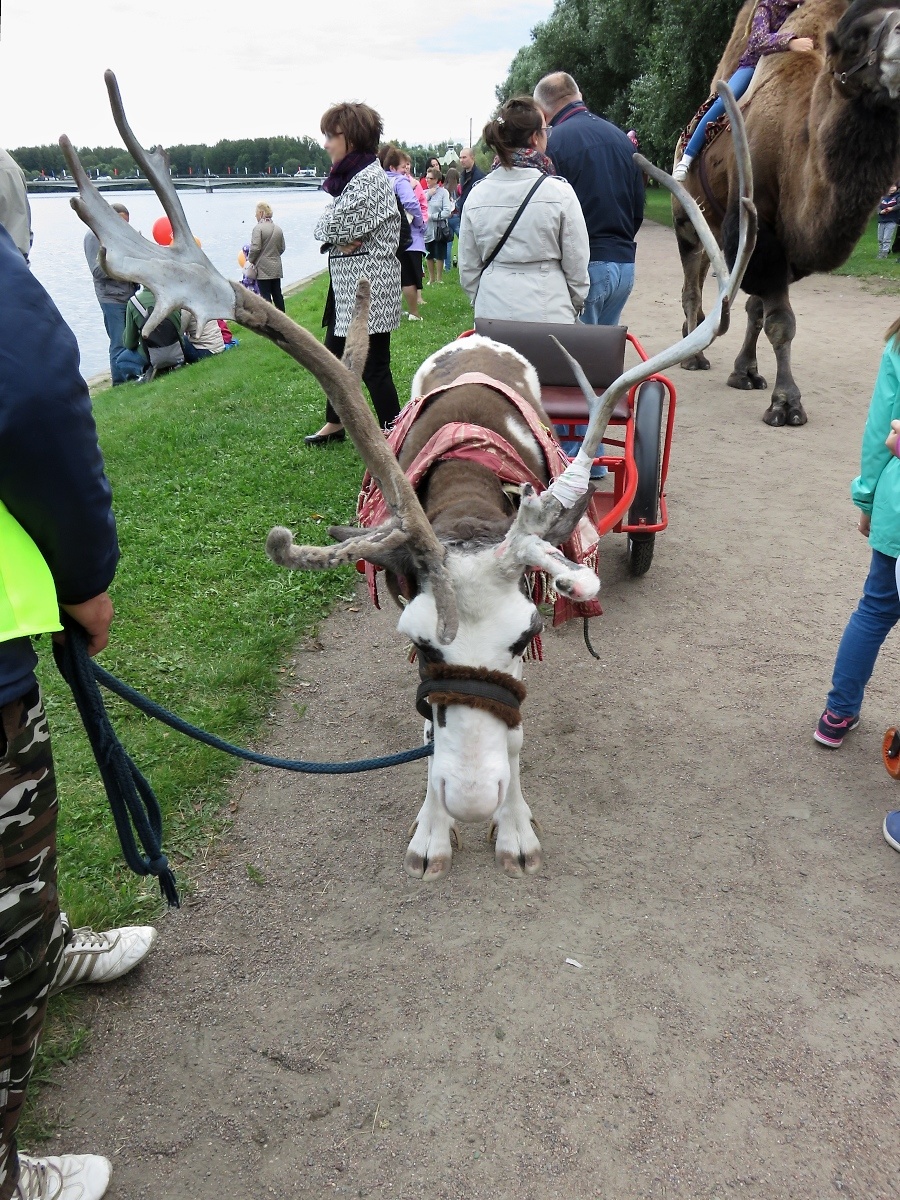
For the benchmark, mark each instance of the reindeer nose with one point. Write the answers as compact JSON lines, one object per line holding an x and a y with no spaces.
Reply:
{"x":475,"y":799}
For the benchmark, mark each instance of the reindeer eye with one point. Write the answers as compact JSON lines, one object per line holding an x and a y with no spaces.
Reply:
{"x":519,"y":647}
{"x":429,"y":653}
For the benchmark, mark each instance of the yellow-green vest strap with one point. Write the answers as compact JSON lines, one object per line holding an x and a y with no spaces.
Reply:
{"x":28,"y":603}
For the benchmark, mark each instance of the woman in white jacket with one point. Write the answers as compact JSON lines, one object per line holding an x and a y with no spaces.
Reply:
{"x":541,"y":271}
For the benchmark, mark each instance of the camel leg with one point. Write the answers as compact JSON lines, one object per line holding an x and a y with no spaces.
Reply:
{"x":695,"y":265}
{"x":780,"y":325}
{"x":745,"y":376}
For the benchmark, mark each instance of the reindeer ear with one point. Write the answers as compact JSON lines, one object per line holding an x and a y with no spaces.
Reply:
{"x":832,"y":45}
{"x":566,"y":520}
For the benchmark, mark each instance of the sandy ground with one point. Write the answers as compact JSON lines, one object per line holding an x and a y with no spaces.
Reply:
{"x":336,"y":1028}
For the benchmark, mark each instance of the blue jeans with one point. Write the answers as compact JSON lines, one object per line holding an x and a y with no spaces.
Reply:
{"x":611,"y":285}
{"x":876,"y":615}
{"x":453,"y":222}
{"x":123,"y":364}
{"x":739,"y":82}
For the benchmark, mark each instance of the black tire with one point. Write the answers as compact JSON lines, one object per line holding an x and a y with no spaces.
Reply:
{"x":648,"y":459}
{"x":640,"y":552}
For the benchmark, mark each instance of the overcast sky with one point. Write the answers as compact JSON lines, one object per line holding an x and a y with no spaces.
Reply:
{"x":198,"y":73}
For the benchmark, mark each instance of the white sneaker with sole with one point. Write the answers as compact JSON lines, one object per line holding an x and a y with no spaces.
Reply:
{"x":68,"y":1177}
{"x":91,"y":957}
{"x":680,"y":172}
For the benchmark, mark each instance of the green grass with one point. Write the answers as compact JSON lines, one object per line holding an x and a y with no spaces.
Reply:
{"x":862,"y":263}
{"x":202,"y":463}
{"x":658,"y":206}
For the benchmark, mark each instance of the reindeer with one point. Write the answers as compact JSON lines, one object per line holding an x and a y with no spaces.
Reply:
{"x":456,"y":549}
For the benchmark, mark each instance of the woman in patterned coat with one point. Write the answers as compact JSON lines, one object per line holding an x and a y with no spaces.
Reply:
{"x":361,"y":232}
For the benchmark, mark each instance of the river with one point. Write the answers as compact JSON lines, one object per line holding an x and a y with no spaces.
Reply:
{"x":223,"y":222}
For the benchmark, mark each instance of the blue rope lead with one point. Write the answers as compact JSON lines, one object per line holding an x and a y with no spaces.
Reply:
{"x":152,"y":709}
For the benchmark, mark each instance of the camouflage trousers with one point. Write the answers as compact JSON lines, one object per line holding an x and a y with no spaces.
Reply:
{"x":31,"y":936}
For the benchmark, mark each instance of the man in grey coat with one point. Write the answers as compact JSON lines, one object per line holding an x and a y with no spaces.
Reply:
{"x":112,"y":296}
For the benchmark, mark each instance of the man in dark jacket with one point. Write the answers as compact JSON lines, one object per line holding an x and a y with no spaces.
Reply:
{"x":468,"y":177}
{"x":112,"y":296}
{"x":596,"y":157}
{"x":58,"y":549}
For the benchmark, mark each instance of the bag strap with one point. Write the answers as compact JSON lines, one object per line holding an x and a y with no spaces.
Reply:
{"x":496,"y":250}
{"x":137,"y":304}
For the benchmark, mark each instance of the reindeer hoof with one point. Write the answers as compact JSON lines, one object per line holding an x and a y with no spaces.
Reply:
{"x":520,"y":864}
{"x":455,"y":839}
{"x":536,"y":825}
{"x":427,"y":869}
{"x":492,"y":833}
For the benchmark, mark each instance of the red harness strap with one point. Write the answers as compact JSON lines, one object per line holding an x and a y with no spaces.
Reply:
{"x":463,"y":440}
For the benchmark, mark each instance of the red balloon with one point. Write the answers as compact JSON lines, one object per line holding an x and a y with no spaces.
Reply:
{"x":162,"y":231}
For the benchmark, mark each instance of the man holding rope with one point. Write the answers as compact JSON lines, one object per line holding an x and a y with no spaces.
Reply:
{"x":58,"y":549}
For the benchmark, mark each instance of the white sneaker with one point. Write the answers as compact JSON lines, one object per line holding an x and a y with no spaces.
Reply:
{"x":681,"y":170}
{"x":412,"y":317}
{"x":68,"y":1177}
{"x":90,"y":957}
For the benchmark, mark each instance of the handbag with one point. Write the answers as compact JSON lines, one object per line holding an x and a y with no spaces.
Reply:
{"x":251,"y":271}
{"x":442,"y":230}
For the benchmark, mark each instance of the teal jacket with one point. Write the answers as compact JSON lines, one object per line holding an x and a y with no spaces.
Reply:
{"x":876,"y":490}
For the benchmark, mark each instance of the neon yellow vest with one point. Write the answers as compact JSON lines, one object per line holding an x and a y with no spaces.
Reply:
{"x":28,"y":603}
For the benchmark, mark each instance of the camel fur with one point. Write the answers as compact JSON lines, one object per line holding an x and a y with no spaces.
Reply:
{"x":824,"y":136}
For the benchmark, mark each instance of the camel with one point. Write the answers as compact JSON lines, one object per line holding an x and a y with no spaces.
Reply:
{"x":824,"y":136}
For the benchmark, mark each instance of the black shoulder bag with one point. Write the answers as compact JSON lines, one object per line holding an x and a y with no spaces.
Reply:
{"x":496,"y":250}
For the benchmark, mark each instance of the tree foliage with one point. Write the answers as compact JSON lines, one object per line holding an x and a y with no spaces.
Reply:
{"x":645,"y":64}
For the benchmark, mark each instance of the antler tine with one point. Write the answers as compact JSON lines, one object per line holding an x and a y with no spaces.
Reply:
{"x":154,"y":163}
{"x":573,"y":481}
{"x":179,"y":276}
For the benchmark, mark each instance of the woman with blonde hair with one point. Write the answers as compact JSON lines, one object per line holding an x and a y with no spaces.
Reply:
{"x":266,"y":249}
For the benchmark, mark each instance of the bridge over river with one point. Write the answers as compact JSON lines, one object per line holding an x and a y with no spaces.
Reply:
{"x":203,"y":183}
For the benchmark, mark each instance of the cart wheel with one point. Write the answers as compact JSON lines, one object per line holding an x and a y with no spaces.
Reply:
{"x":890,"y":752}
{"x":648,"y":460}
{"x":640,"y":552}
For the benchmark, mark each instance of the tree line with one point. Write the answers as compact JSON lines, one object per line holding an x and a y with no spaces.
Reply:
{"x":643,"y":64}
{"x":242,"y":156}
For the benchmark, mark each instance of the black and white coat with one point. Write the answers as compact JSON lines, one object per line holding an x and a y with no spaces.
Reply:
{"x":365,"y":212}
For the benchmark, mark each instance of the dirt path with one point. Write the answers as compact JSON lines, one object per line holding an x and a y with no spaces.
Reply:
{"x":340,"y":1029}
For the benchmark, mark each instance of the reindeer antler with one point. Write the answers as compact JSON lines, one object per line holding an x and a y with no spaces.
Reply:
{"x":541,"y":520}
{"x":181,"y":275}
{"x":574,"y":481}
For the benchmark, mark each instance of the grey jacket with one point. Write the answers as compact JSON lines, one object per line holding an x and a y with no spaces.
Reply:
{"x":266,"y":249}
{"x":541,"y":274}
{"x":109,"y":291}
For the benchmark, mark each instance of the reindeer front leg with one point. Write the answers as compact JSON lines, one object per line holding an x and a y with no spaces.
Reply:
{"x":517,"y":848}
{"x":433,"y":833}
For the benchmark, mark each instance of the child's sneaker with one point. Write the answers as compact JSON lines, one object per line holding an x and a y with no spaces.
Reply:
{"x":891,"y":829}
{"x":831,"y":729}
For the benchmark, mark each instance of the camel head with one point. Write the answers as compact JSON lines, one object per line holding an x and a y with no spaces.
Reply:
{"x":863,"y":51}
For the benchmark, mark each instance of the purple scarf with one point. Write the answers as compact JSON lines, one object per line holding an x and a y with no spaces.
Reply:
{"x":527,"y":156}
{"x":342,"y":172}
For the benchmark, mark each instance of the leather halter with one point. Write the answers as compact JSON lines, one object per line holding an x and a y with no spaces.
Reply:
{"x":443,"y":683}
{"x":870,"y":57}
